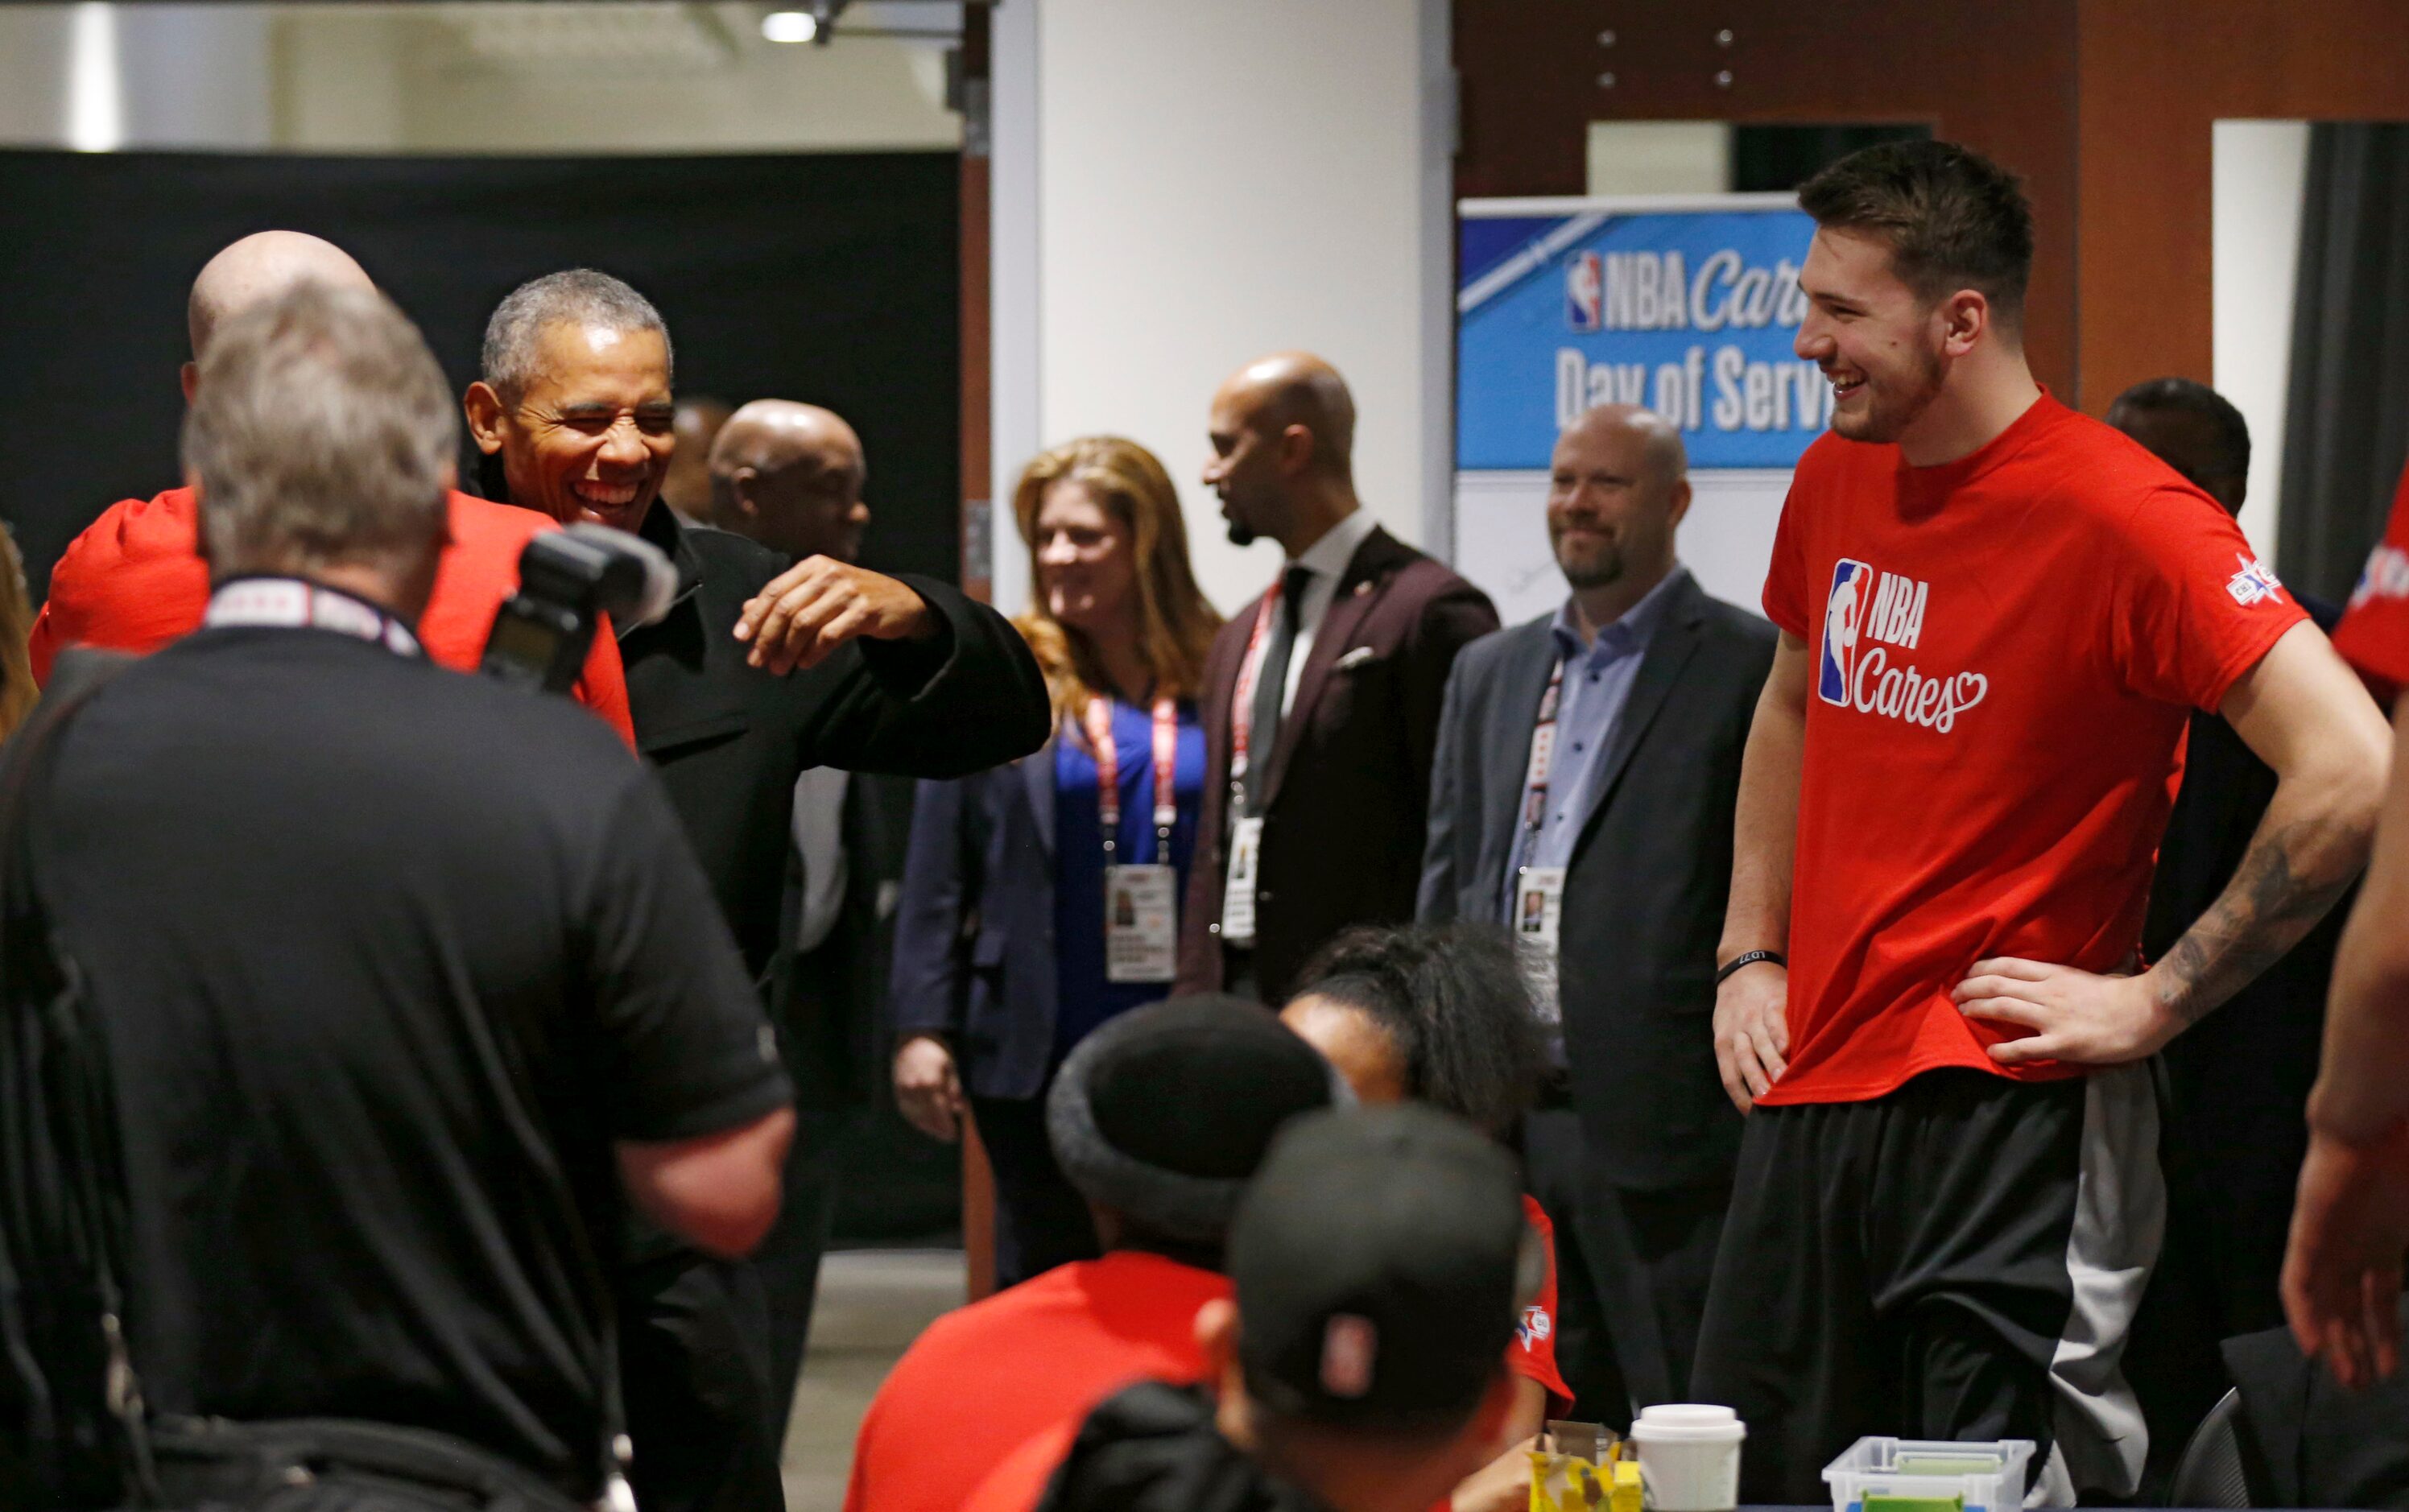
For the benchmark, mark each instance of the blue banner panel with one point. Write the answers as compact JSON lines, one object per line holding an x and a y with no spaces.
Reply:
{"x":1690,"y":311}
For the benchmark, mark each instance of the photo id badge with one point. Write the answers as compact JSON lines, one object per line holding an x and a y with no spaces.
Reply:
{"x":1238,"y":895}
{"x":1538,"y":919}
{"x":1141,"y":924}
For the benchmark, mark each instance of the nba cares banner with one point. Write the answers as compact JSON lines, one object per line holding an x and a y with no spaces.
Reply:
{"x":1688,"y":305}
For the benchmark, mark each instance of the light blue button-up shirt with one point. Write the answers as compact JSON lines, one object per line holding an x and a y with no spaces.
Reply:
{"x":1598,"y":684}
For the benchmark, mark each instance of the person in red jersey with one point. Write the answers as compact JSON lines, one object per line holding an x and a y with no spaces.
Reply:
{"x":1996,"y":616}
{"x":2374,"y":634}
{"x":1159,"y":1117}
{"x":2350,"y":1225}
{"x":134,"y":580}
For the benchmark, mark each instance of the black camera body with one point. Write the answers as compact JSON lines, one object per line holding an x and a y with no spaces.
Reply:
{"x":568,"y":580}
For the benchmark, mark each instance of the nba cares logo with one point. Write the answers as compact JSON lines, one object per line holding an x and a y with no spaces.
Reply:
{"x":1844,"y":613}
{"x":1870,"y":619}
{"x":1584,"y":291}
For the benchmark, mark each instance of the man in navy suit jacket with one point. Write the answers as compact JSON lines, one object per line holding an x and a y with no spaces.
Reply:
{"x":1611,"y":855}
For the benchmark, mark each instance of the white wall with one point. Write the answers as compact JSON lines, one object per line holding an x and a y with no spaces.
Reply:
{"x":1213,"y":183}
{"x":394,"y":77}
{"x":2260,"y":170}
{"x":104,"y":77}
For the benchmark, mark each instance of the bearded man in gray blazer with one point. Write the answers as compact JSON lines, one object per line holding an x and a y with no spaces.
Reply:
{"x":1587,"y":765}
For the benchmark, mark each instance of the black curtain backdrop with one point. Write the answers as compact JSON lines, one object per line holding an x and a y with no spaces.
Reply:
{"x":832,"y":278}
{"x":2346,"y":418}
{"x":1768,"y":159}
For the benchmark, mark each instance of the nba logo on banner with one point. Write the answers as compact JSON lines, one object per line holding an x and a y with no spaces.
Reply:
{"x":1844,"y":612}
{"x":1584,"y":291}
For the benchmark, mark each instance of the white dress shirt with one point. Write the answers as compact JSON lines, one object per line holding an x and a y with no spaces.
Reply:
{"x":1326,"y":559}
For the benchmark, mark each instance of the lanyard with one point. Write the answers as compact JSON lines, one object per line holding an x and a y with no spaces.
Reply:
{"x":1543,"y":753}
{"x":1242,"y":706}
{"x":1099,"y":720}
{"x":294,"y":602}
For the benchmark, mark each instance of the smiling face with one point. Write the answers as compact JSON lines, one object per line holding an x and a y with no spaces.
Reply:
{"x":1087,"y":561}
{"x":1611,"y":507}
{"x":592,"y":437}
{"x":1879,"y":343}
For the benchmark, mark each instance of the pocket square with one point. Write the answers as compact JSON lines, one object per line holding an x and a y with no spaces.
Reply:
{"x":1356,"y":657}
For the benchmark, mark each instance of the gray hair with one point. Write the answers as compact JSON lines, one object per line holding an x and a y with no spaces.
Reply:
{"x":579,"y":296}
{"x":321,"y":431}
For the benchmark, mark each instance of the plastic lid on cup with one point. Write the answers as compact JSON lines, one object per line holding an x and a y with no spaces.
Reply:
{"x":1676,"y":1422}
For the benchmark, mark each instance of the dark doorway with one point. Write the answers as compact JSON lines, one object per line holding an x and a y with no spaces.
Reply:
{"x":831,"y":277}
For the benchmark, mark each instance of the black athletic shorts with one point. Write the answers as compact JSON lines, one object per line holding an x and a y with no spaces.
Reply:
{"x":1958,"y":1260}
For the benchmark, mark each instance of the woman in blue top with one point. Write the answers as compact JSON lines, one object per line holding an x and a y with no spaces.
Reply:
{"x":1039,"y":899}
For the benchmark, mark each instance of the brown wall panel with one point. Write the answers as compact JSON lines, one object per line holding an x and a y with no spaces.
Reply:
{"x":2154,"y":75}
{"x":1998,"y":77}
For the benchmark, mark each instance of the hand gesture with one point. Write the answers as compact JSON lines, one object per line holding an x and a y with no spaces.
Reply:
{"x":808,"y":611}
{"x":1753,"y":1030}
{"x":926,"y":1089}
{"x":2342,"y":1272}
{"x":2078,"y":1018}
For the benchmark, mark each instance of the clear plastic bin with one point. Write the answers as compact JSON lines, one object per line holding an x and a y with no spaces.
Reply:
{"x":1915,"y":1475}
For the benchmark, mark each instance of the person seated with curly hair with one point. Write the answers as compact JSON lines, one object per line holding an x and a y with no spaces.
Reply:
{"x":1442,"y":1014}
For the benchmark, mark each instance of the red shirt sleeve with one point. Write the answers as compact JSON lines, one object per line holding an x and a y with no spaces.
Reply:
{"x":1532,"y":1355}
{"x":131,"y":582}
{"x":2192,"y":606}
{"x":1786,"y":576}
{"x":2374,"y":634}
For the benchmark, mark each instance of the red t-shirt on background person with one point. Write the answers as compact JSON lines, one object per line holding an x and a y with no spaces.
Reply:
{"x":2004,"y":654}
{"x":133,"y":581}
{"x":2374,"y":634}
{"x":1532,"y":1355}
{"x":982,"y":1381}
{"x":1016,"y":1477}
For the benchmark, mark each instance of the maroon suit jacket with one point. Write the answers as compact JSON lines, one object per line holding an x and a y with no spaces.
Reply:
{"x":1349,"y":779}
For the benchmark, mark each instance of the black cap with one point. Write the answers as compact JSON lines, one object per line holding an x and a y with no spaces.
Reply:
{"x":1379,"y":1260}
{"x":1166,"y":1111}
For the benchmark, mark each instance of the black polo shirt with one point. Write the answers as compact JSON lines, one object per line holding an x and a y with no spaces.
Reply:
{"x":389,"y":958}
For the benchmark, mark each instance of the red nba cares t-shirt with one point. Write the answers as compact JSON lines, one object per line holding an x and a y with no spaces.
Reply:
{"x":134,"y":580}
{"x":2003,"y":654}
{"x":2374,"y":634}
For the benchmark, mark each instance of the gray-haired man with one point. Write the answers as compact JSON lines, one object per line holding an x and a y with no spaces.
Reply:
{"x":402,"y":972}
{"x":760,"y":669}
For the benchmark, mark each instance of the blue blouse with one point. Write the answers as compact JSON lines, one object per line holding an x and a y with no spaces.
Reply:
{"x":1083,"y":999}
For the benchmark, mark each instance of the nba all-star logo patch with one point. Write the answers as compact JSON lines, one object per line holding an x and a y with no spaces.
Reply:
{"x":1871,"y":619}
{"x":2255,"y":584}
{"x":1535,"y":1328}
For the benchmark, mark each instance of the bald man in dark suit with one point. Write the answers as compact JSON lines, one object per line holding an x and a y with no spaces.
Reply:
{"x":1321,"y":698}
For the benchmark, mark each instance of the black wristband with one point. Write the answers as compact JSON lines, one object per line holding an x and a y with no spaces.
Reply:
{"x":1725,"y":971}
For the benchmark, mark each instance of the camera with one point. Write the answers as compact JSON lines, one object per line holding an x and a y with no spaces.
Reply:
{"x":568,"y":580}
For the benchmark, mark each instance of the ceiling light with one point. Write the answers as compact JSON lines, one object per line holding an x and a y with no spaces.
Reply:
{"x":789,"y":26}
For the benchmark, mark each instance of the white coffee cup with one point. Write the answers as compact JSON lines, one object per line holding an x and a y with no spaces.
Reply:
{"x":1689,"y":1456}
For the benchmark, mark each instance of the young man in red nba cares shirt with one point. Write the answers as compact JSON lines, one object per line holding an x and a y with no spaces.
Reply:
{"x":1997,"y":616}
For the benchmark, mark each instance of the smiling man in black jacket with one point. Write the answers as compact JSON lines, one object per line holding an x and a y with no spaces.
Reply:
{"x":760,"y":669}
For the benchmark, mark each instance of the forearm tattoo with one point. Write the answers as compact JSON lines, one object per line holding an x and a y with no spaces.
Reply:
{"x":2287,"y":880}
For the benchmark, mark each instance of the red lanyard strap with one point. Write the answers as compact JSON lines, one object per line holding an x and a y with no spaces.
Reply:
{"x":1098,"y":718}
{"x":1242,"y":705}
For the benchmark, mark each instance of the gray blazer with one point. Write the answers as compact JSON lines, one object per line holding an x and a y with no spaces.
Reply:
{"x":1650,"y":872}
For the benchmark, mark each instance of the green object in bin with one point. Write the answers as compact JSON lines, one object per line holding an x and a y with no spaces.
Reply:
{"x":1877,"y":1502}
{"x":1945,"y":1464}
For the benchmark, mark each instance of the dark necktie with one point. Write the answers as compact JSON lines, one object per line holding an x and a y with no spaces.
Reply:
{"x":1271,"y":683}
